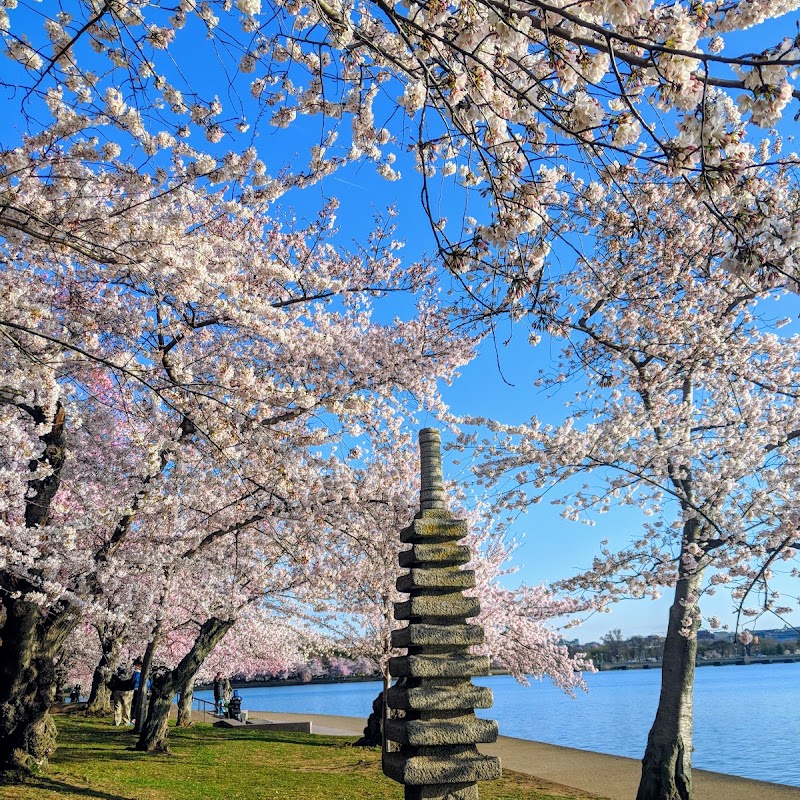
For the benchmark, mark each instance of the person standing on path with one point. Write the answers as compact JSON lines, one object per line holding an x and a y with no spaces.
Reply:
{"x":136,"y":678}
{"x":121,"y":686}
{"x":227,"y":690}
{"x":219,"y":693}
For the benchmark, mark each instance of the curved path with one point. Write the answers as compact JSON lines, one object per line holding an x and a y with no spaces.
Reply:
{"x":612,"y":777}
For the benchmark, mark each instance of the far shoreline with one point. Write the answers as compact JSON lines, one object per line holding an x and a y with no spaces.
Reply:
{"x":271,"y":683}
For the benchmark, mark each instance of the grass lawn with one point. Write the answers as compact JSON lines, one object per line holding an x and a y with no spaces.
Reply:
{"x":97,"y":760}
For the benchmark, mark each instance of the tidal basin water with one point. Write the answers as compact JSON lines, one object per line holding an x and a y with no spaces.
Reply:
{"x":746,"y":717}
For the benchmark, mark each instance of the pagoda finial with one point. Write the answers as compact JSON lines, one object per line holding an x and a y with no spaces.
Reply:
{"x":431,"y":495}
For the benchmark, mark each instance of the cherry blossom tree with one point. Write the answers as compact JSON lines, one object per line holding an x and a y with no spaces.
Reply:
{"x":135,"y":237}
{"x":506,"y":101}
{"x":77,"y":660}
{"x":685,"y":406}
{"x":227,"y":353}
{"x":355,"y":592}
{"x":53,"y":559}
{"x":246,"y":574}
{"x":259,"y":644}
{"x":116,"y":620}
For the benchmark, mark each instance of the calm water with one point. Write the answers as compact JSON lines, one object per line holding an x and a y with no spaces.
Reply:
{"x":746,"y":717}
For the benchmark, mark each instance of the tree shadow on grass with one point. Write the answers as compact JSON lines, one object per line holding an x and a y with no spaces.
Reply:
{"x":128,"y":754}
{"x":282,"y":737}
{"x":60,"y":787}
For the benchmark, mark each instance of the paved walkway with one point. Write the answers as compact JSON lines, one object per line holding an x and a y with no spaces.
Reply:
{"x":610,"y":777}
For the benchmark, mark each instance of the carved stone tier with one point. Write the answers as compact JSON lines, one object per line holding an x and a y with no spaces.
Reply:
{"x":438,"y":529}
{"x":421,"y":634}
{"x":436,"y":578}
{"x":440,"y":695}
{"x":440,"y":605}
{"x":439,"y":665}
{"x":441,"y":765}
{"x":438,"y":731}
{"x":464,"y":729}
{"x":434,"y":555}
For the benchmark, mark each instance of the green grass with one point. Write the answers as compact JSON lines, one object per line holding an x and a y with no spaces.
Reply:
{"x":97,"y":760}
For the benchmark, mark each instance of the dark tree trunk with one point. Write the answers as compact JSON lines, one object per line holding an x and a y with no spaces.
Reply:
{"x":140,"y":702}
{"x":41,"y":491}
{"x":100,"y":694}
{"x":31,"y":636}
{"x":166,"y":684}
{"x":387,"y":680}
{"x":31,"y":639}
{"x":667,"y":762}
{"x":185,"y":704}
{"x":373,"y":732}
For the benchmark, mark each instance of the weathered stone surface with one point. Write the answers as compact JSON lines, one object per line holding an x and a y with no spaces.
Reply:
{"x":440,"y":695}
{"x":434,"y":702}
{"x":452,"y":605}
{"x":450,"y":665}
{"x":436,"y":528}
{"x":436,"y":578}
{"x":434,"y":554}
{"x":419,"y":634}
{"x":465,"y":729}
{"x":431,"y":494}
{"x":447,"y":791}
{"x":452,"y":765}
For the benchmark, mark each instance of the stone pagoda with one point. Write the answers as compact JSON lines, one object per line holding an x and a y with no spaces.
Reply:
{"x":438,"y":731}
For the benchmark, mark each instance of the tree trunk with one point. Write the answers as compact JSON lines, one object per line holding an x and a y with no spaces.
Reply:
{"x":387,"y":679}
{"x":31,"y":638}
{"x":667,"y":762}
{"x":140,"y":703}
{"x":374,"y":731}
{"x":140,"y":698}
{"x":185,"y":704}
{"x":166,"y":684}
{"x":100,"y":694}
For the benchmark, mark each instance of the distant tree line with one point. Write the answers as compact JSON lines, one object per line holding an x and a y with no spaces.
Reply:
{"x":613,"y":648}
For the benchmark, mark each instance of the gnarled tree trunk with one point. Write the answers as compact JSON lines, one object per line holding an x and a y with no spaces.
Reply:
{"x":166,"y":684}
{"x":31,"y":638}
{"x":31,"y":635}
{"x":667,"y":762}
{"x":185,"y":704}
{"x":140,"y":701}
{"x":100,"y":695}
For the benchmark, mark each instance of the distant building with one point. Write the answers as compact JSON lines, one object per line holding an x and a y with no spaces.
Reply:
{"x":704,"y":634}
{"x":722,"y":636}
{"x":785,"y":634}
